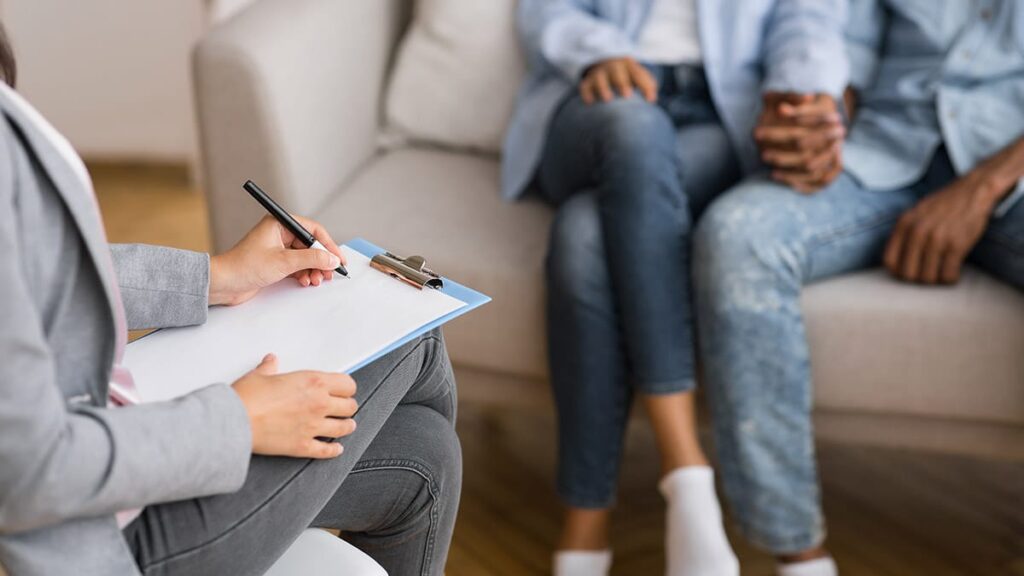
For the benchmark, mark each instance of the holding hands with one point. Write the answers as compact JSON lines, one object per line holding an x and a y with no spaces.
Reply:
{"x":287,"y":412}
{"x":801,"y":139}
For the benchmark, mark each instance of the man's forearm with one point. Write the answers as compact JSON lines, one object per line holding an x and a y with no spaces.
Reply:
{"x":999,"y":175}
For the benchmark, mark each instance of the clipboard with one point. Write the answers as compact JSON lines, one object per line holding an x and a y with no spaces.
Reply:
{"x":343,"y":325}
{"x":472,"y":298}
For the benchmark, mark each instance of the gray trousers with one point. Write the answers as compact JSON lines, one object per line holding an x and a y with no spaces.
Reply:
{"x":394,"y":491}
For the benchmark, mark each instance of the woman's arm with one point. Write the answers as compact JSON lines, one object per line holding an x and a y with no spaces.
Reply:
{"x":161,"y":287}
{"x":61,"y":461}
{"x":568,"y":35}
{"x":805,"y":48}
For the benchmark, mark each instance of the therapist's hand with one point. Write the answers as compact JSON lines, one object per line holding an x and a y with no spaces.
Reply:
{"x":287,"y":412}
{"x":268,"y":254}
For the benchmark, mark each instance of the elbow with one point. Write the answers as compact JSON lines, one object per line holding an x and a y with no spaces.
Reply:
{"x":19,"y":514}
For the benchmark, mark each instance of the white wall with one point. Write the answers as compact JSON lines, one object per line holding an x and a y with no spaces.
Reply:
{"x":113,"y":75}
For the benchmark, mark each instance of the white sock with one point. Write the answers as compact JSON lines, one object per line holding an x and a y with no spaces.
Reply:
{"x":695,"y":541}
{"x":817,"y":567}
{"x":583,"y":563}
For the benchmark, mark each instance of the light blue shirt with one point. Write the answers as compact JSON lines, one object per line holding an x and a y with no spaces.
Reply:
{"x":933,"y":72}
{"x":747,"y":47}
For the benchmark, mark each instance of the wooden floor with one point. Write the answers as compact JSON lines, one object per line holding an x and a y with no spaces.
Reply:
{"x":891,"y":512}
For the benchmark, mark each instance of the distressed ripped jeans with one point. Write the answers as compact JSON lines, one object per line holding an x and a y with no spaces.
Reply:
{"x":754,"y":249}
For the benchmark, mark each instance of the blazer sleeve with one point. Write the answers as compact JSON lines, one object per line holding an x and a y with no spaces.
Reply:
{"x":804,"y":47}
{"x":58,"y":462}
{"x":568,"y":35}
{"x":162,"y":287}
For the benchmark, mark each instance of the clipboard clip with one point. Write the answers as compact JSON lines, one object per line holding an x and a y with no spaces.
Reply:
{"x":411,"y":270}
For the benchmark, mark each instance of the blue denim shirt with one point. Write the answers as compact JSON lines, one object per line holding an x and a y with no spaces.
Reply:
{"x":932,"y":73}
{"x":747,"y":46}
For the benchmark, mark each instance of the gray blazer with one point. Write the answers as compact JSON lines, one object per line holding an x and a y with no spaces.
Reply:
{"x":68,"y":463}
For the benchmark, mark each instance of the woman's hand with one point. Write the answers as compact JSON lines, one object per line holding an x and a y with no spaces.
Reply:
{"x":269,"y":253}
{"x":288,"y":412}
{"x":624,"y":75}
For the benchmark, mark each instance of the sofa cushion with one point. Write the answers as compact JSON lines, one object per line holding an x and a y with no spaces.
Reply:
{"x":445,"y":207}
{"x":456,"y":76}
{"x":880,"y":345}
{"x":876,"y":345}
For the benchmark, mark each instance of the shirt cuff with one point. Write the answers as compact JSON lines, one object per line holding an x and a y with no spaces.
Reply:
{"x":1010,"y":201}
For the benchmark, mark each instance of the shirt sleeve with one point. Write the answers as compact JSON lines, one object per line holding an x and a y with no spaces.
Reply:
{"x":865,"y":31}
{"x":804,"y":47}
{"x":568,"y":35}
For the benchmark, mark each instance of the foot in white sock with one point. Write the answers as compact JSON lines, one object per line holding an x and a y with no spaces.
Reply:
{"x":583,"y":563}
{"x":817,"y":567}
{"x":695,"y":541}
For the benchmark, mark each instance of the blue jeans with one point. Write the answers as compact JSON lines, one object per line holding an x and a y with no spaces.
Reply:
{"x":627,"y":176}
{"x":755,"y":248}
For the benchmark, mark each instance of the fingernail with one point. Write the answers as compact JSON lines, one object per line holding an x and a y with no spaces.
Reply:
{"x":335,"y":261}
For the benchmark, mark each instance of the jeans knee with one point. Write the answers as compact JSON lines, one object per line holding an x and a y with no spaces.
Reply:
{"x":442,"y":461}
{"x":635,"y":124}
{"x":744,"y":244}
{"x":576,"y":262}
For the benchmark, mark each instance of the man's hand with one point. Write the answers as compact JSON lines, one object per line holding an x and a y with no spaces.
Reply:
{"x":932,"y":239}
{"x":801,"y":138}
{"x":623,"y":75}
{"x":288,"y":412}
{"x":269,"y":253}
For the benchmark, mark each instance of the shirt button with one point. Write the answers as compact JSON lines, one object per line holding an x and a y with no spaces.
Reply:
{"x":986,"y":14}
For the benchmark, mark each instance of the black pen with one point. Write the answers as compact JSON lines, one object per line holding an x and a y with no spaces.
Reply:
{"x":287,"y":221}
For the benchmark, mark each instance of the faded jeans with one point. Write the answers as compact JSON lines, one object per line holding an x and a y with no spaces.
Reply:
{"x":627,"y":177}
{"x":394,"y":491}
{"x":755,"y":248}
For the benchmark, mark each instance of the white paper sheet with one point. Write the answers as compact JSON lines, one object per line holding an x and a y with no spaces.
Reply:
{"x":332,"y":327}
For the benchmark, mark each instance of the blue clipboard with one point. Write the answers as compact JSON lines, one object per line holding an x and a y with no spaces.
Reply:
{"x":470,"y":297}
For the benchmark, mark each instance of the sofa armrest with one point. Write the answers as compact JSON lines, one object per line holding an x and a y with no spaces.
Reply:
{"x":289,"y":94}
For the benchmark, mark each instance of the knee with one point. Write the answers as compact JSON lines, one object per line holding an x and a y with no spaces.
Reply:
{"x":745,"y":238}
{"x":634,"y":129}
{"x":575,"y":258}
{"x":440,"y":459}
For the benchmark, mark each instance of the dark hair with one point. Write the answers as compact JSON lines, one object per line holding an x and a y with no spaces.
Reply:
{"x":8,"y":69}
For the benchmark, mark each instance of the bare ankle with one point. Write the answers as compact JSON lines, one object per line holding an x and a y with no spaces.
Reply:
{"x":805,"y":556}
{"x":585,"y":529}
{"x":685,"y":459}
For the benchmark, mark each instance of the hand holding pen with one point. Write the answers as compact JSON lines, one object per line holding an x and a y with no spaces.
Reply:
{"x":270,"y":252}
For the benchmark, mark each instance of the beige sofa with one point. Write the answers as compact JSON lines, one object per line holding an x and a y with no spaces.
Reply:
{"x":289,"y":94}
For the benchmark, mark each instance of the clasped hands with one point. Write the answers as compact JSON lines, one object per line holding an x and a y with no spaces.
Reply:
{"x":800,"y":138}
{"x":287,"y":412}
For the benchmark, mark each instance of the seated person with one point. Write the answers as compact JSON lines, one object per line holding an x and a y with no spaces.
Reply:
{"x":935,"y":149}
{"x":633,"y":117}
{"x":227,"y":477}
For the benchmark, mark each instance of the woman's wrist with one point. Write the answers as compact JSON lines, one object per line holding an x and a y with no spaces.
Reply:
{"x":217,"y":294}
